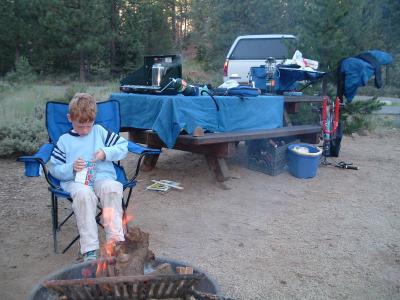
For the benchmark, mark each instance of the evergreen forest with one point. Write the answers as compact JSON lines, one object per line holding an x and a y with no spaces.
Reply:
{"x":105,"y":39}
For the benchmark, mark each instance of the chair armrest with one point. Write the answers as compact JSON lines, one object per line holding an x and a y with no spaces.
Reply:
{"x":32,"y":163}
{"x":138,"y":149}
{"x":142,"y":151}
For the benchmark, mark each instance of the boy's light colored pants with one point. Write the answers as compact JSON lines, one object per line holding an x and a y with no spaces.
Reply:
{"x":85,"y":200}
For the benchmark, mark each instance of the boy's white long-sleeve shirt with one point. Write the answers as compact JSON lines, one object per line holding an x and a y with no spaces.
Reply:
{"x":70,"y":147}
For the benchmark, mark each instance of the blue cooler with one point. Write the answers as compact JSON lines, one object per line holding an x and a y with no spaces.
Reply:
{"x":303,"y":160}
{"x":259,"y":77}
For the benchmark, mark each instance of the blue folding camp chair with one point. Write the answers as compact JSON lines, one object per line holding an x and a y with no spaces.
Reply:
{"x":108,"y":115}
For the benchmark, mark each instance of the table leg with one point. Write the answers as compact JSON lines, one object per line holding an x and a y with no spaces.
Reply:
{"x":140,"y":136}
{"x":218,"y":165}
{"x":149,"y":163}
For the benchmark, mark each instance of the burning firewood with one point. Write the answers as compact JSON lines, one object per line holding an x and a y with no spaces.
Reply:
{"x":130,"y":256}
{"x":133,"y":254}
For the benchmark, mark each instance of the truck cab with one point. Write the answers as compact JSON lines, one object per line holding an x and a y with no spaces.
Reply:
{"x":252,"y":51}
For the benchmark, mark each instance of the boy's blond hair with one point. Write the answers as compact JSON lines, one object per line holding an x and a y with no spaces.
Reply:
{"x":82,"y":108}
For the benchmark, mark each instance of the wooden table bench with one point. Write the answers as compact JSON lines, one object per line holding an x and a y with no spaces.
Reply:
{"x":218,"y":146}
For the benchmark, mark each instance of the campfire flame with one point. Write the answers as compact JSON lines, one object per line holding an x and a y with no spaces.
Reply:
{"x":108,"y":250}
{"x":127,"y":218}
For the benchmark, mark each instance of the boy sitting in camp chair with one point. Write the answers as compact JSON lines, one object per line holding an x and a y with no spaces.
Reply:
{"x":89,"y":144}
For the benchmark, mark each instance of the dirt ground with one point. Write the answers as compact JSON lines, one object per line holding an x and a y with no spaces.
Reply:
{"x":336,"y":236}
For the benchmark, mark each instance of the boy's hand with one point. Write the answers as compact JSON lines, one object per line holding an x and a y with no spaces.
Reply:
{"x":79,"y":165}
{"x":99,"y":155}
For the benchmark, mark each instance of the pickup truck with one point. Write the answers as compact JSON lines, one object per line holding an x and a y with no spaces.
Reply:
{"x":252,"y":51}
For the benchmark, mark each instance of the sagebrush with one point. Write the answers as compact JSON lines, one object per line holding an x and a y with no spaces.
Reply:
{"x":22,"y":137}
{"x":23,"y":73}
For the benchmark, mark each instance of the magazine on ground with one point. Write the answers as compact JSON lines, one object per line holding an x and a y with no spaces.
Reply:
{"x":164,"y":185}
{"x":158,"y":187}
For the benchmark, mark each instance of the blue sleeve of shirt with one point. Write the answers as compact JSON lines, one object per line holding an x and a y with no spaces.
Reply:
{"x":116,"y":147}
{"x":58,"y":165}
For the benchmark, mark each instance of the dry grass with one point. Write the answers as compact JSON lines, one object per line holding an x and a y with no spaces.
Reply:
{"x":20,"y":101}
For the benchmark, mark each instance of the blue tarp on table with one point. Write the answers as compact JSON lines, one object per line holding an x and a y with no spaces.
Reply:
{"x":169,"y":115}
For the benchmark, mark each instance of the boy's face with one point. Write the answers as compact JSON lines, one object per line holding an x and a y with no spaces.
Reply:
{"x":81,"y":128}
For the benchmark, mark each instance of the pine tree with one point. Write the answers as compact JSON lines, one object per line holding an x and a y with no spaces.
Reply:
{"x":218,"y":27}
{"x":18,"y":20}
{"x":76,"y":33}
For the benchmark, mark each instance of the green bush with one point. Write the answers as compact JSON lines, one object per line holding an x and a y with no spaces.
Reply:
{"x":23,"y":72}
{"x":22,"y":137}
{"x":307,"y":114}
{"x":4,"y":87}
{"x":358,"y":115}
{"x":77,"y":87}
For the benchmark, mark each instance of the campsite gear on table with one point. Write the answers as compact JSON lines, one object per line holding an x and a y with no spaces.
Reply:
{"x":108,"y":115}
{"x":270,"y":67}
{"x":285,"y":79}
{"x":240,"y":91}
{"x":302,"y":62}
{"x":157,"y":74}
{"x":303,"y":160}
{"x":182,"y":87}
{"x":258,"y":79}
{"x":153,"y":75}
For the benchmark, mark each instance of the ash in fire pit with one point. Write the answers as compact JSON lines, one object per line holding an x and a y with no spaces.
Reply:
{"x":128,"y":271}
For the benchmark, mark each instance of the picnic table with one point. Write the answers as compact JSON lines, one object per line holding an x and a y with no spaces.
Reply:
{"x":171,"y":120}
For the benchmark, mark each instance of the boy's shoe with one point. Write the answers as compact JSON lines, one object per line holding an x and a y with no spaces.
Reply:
{"x":90,"y":255}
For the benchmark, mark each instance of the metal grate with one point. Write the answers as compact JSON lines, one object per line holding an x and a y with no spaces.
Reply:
{"x":127,"y":287}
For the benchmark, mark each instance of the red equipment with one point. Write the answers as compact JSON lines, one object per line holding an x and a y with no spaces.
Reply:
{"x":327,"y":128}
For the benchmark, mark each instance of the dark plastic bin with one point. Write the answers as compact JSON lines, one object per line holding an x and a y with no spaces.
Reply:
{"x":304,"y":165}
{"x":265,"y":158}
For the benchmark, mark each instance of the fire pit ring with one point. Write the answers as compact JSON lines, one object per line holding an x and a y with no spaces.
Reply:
{"x":40,"y":292}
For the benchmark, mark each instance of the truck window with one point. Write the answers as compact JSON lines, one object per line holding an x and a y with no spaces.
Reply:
{"x":261,"y":48}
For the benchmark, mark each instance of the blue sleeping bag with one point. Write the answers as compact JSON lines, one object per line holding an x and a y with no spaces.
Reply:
{"x":357,"y":71}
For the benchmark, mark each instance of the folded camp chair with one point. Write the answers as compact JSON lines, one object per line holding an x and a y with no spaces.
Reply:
{"x":108,"y":115}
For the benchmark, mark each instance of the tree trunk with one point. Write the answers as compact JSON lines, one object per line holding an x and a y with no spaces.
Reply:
{"x":82,"y":68}
{"x":17,"y":51}
{"x":113,"y":28}
{"x":173,"y":27}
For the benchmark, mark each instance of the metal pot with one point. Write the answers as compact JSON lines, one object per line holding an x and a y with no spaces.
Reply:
{"x":157,"y":73}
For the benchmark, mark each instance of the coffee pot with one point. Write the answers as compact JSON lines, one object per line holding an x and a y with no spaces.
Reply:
{"x":157,"y":73}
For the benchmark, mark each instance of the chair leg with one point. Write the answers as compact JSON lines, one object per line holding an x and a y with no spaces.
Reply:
{"x":125,"y":204}
{"x":98,"y":219}
{"x":70,"y":244}
{"x":54,"y":217}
